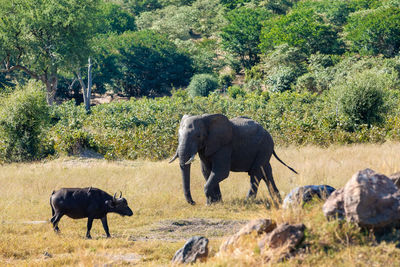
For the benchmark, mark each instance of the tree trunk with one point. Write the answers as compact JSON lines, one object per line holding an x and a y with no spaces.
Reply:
{"x":86,"y":91}
{"x":89,"y":87}
{"x":51,"y":87}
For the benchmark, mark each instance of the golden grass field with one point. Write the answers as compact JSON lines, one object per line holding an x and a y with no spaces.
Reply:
{"x":154,"y":193}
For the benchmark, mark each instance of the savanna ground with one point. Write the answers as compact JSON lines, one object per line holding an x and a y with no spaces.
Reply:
{"x":163,"y":221}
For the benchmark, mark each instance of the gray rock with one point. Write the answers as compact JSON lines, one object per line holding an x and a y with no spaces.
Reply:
{"x":369,"y":199}
{"x":334,"y":205}
{"x":304,"y":194}
{"x":285,"y":235}
{"x":281,"y":243}
{"x":196,"y":248}
{"x":260,"y":226}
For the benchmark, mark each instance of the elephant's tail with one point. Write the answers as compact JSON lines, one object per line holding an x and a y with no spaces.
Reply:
{"x":276,"y":156}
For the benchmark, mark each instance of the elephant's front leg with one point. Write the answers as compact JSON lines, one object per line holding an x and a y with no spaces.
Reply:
{"x":206,"y":170}
{"x":220,"y":167}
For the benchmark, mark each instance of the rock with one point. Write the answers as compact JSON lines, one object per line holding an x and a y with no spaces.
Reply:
{"x":259,"y":226}
{"x":369,"y":199}
{"x":334,"y":205}
{"x":304,"y":194}
{"x":285,"y":235}
{"x":196,"y":248}
{"x":282,"y":241}
{"x":395,"y":177}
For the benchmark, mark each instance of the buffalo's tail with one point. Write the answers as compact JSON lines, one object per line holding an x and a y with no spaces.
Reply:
{"x":276,"y":156}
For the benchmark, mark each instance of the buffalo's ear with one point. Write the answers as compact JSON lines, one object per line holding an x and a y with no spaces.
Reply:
{"x":110,"y":203}
{"x":219,"y":132}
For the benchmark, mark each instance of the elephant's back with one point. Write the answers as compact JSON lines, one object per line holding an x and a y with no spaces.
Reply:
{"x":250,"y":140}
{"x":244,"y":127}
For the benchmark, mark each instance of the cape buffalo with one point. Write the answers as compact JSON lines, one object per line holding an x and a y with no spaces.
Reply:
{"x":89,"y":202}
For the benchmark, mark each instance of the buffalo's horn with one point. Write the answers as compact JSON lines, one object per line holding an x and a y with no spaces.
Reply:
{"x":173,"y":158}
{"x":190,"y":160}
{"x":114,"y":195}
{"x":120,"y":194}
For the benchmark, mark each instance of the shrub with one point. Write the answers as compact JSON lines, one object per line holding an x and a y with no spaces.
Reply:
{"x":361,"y":99}
{"x":202,"y":85}
{"x":236,"y":91}
{"x":24,"y":117}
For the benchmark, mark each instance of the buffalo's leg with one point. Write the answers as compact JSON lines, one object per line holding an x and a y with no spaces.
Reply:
{"x":55,"y":219}
{"x":105,"y":226}
{"x":254,"y":183}
{"x":215,"y":194}
{"x":89,"y":227}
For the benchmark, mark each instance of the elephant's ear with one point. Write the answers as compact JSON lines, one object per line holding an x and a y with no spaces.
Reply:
{"x":184,"y":117}
{"x":219,"y":133}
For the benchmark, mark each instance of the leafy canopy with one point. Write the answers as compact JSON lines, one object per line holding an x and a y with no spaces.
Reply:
{"x":302,"y":28}
{"x":375,"y":31}
{"x":242,"y":34}
{"x":145,"y":63}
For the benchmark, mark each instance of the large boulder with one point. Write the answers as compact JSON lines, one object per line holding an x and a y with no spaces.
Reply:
{"x":369,"y":199}
{"x":303,"y":194}
{"x":196,"y":248}
{"x":258,"y":227}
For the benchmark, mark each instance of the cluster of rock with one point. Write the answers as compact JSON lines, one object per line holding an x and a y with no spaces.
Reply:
{"x":370,"y":199}
{"x":275,"y":242}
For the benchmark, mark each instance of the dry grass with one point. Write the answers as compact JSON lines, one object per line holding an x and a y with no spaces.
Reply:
{"x":153,"y":191}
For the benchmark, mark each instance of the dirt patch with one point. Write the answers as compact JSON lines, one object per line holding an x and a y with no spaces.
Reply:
{"x":177,"y":230}
{"x":129,"y":257}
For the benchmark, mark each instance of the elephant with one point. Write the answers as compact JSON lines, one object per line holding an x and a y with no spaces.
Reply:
{"x":239,"y":145}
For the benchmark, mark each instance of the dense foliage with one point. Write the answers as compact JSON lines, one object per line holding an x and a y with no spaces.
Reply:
{"x":309,"y":71}
{"x":145,"y":63}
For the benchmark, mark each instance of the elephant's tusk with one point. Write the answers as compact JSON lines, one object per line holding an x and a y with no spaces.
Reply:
{"x":190,"y":160}
{"x":173,"y":158}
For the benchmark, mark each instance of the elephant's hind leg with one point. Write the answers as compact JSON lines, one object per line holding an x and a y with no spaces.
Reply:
{"x":254,"y":183}
{"x":269,"y":180}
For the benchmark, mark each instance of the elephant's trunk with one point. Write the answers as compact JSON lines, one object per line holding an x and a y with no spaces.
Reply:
{"x":185,"y":158}
{"x":185,"y":169}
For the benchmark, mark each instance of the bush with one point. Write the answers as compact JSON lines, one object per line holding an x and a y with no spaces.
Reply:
{"x":202,"y":85}
{"x":24,"y":117}
{"x":236,"y":91}
{"x":361,"y":99}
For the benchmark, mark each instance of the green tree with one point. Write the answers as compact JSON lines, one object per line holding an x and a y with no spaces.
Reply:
{"x":302,"y":28}
{"x":115,"y":19}
{"x":202,"y":18}
{"x":241,"y":36}
{"x":43,"y":36}
{"x":145,"y":63}
{"x":375,"y":31}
